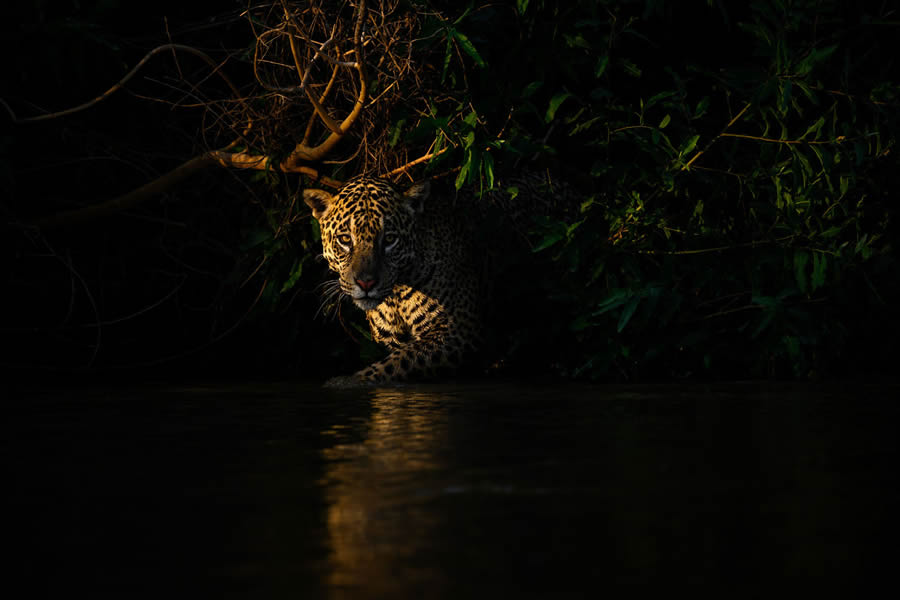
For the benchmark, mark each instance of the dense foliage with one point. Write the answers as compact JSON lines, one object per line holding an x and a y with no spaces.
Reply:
{"x":742,"y":215}
{"x":735,"y":167}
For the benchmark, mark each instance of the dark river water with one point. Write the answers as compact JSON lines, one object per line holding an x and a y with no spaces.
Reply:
{"x":502,"y":491}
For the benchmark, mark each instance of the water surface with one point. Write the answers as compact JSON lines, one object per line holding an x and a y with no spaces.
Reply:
{"x":287,"y":490}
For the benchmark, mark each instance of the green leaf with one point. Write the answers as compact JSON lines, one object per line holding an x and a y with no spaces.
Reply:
{"x":463,"y":173}
{"x":614,"y":300}
{"x":570,"y":229}
{"x":476,"y":164}
{"x":294,"y":277}
{"x":763,"y":324}
{"x":586,"y":204}
{"x":792,"y":344}
{"x":665,"y":121}
{"x":701,"y":108}
{"x":549,"y":240}
{"x":765,"y":301}
{"x":522,"y":6}
{"x":862,"y":244}
{"x":448,"y":53}
{"x":577,"y":41}
{"x":531,"y":88}
{"x":628,"y":312}
{"x":584,"y":126}
{"x":257,"y":237}
{"x":806,"y":91}
{"x":831,"y":232}
{"x":801,"y":259}
{"x":815,"y":127}
{"x":630,"y":68}
{"x":820,"y":265}
{"x":581,"y":322}
{"x":487,"y":163}
{"x":555,"y":103}
{"x":468,"y":47}
{"x":826,"y":161}
{"x":807,"y":168}
{"x":784,"y":100}
{"x":688,"y":145}
{"x":658,"y":98}
{"x":602,"y":63}
{"x":396,"y":130}
{"x":816,"y":56}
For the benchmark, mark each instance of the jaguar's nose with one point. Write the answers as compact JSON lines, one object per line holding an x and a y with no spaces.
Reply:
{"x":366,"y":284}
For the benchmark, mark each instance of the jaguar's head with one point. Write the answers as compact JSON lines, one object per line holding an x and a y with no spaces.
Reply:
{"x":368,"y":234}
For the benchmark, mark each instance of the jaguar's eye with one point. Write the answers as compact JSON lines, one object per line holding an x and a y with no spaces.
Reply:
{"x":344,"y":239}
{"x":390,"y":239}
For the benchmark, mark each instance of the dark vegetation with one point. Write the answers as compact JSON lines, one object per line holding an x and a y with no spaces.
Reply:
{"x":736,"y":163}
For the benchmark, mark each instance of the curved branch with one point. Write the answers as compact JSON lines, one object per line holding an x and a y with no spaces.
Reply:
{"x":129,"y":200}
{"x":317,"y":106}
{"x":121,"y":83}
{"x":302,"y":152}
{"x":312,"y":117}
{"x":160,"y":185}
{"x":242,"y":160}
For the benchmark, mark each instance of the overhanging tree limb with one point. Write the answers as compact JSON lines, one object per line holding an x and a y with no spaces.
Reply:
{"x":161,"y":184}
{"x":129,"y":200}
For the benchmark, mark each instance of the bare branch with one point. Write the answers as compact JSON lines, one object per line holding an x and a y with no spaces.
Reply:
{"x":180,"y":47}
{"x":129,"y":200}
{"x":161,"y":184}
{"x":320,"y":110}
{"x":242,"y":160}
{"x":303,"y":152}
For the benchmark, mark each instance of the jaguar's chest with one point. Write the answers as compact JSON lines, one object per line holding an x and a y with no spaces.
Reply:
{"x":388,"y":323}
{"x":404,"y":316}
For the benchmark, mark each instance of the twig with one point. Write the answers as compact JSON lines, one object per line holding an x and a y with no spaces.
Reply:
{"x":838,"y":140}
{"x":124,"y":80}
{"x":729,"y":311}
{"x":712,"y":141}
{"x":418,"y":161}
{"x":752,"y":244}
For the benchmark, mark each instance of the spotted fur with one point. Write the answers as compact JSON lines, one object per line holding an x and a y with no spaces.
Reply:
{"x":402,"y":257}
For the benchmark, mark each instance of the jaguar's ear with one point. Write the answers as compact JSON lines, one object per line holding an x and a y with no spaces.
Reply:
{"x":417,"y":194}
{"x":319,"y":201}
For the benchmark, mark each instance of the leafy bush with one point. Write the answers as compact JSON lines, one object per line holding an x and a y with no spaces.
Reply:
{"x":741,"y":220}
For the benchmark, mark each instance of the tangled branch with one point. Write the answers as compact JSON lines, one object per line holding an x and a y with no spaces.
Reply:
{"x":312,"y":65}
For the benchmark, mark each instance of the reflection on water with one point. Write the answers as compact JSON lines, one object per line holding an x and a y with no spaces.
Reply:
{"x":448,"y":491}
{"x":376,"y":488}
{"x":471,"y":491}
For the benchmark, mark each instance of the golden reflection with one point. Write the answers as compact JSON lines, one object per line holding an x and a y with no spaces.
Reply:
{"x":377,"y":488}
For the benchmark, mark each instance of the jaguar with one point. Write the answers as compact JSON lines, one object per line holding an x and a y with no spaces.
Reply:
{"x":403,"y":257}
